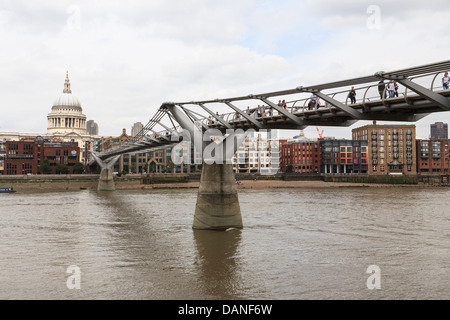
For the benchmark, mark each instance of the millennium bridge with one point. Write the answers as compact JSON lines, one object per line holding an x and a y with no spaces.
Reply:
{"x":217,"y":127}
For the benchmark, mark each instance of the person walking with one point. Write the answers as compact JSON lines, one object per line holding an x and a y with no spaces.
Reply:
{"x":391,"y":89}
{"x":395,"y":89}
{"x":445,"y":81}
{"x":352,"y":95}
{"x":381,"y":89}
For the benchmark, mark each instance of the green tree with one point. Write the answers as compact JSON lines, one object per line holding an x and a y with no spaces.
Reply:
{"x":172,"y":166}
{"x":62,"y":169}
{"x":78,"y":168}
{"x":45,"y":167}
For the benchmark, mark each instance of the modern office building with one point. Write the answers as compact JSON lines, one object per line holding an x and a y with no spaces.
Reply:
{"x":344,"y":156}
{"x":92,"y":128}
{"x":392,"y":148}
{"x":439,"y":131}
{"x":136,"y":128}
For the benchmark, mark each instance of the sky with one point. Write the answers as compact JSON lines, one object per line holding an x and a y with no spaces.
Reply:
{"x":125,"y":58}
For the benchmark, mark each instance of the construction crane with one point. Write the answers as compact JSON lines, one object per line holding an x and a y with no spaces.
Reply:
{"x":320,"y":133}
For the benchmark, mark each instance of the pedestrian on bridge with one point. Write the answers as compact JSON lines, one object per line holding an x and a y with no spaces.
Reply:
{"x":381,"y":89}
{"x":391,"y":88}
{"x":445,"y":81}
{"x":352,"y":95}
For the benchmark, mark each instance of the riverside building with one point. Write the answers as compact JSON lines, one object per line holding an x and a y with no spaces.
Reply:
{"x":344,"y":156}
{"x":392,"y":148}
{"x":300,"y":155}
{"x":433,"y":156}
{"x":25,"y":156}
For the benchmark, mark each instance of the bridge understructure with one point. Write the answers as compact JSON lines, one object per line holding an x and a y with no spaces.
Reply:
{"x":217,"y":127}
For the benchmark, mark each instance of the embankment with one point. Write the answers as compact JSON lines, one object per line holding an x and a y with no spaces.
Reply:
{"x":47,"y":183}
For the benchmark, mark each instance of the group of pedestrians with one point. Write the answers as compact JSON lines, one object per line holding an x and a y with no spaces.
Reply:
{"x":391,"y":89}
{"x":314,"y":102}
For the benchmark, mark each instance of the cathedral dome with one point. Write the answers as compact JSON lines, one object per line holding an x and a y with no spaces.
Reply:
{"x":67,"y":100}
{"x":67,"y":115}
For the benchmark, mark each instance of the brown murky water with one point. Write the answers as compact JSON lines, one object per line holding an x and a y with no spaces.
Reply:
{"x":296,"y":244}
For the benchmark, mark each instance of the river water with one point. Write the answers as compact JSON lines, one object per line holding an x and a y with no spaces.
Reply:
{"x":296,"y":244}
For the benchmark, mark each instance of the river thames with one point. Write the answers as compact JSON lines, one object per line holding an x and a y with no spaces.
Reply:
{"x":296,"y":244}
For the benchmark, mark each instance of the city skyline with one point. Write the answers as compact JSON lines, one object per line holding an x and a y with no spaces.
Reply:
{"x":222,"y":50}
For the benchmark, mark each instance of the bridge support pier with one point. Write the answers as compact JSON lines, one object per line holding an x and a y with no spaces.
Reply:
{"x":217,"y":205}
{"x":106,"y":181}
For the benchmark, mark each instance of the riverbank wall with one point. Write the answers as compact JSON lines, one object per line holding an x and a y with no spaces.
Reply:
{"x":161,"y":181}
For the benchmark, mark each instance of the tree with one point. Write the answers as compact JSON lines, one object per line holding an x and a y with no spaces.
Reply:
{"x":45,"y":167}
{"x":78,"y":168}
{"x":172,"y":166}
{"x":62,"y":169}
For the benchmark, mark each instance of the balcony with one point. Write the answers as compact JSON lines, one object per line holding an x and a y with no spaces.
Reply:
{"x":19,"y":156}
{"x":436,"y":155}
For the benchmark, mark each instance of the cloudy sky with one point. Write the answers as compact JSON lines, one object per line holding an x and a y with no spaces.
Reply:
{"x":127,"y":57}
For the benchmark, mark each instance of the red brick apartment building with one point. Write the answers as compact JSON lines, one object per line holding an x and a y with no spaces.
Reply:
{"x":299,"y":156}
{"x":25,"y":156}
{"x":433,"y":156}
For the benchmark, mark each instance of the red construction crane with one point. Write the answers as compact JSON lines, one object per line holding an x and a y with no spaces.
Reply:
{"x":320,"y":133}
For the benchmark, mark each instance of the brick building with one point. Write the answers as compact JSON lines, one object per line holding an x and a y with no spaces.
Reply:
{"x":432,"y":156}
{"x":25,"y":156}
{"x":392,"y":148}
{"x":300,"y":156}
